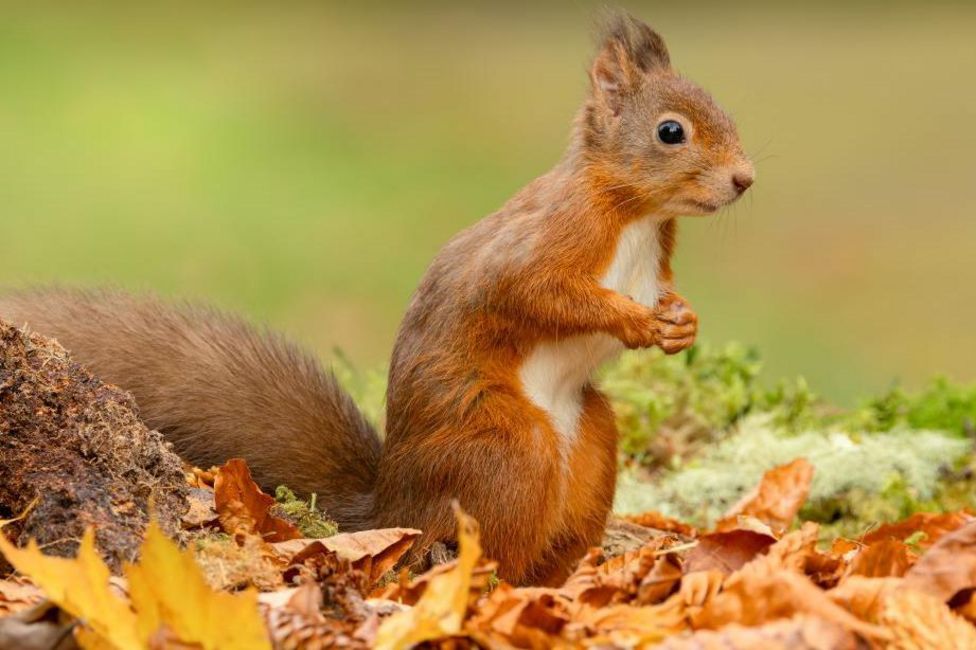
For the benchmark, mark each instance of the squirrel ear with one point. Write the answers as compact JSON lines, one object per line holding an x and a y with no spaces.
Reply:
{"x":629,"y":50}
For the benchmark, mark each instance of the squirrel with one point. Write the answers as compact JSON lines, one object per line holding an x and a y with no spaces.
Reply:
{"x":490,"y":399}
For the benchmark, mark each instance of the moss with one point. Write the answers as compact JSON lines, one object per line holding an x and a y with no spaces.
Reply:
{"x":859,"y":477}
{"x":227,"y":565}
{"x":312,"y":522}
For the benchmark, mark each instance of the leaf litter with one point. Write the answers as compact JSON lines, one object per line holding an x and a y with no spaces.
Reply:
{"x":759,"y":579}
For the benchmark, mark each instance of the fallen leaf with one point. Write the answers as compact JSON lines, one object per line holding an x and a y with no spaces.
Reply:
{"x":727,"y":551}
{"x":42,"y":627}
{"x":168,"y":590}
{"x":626,"y":626}
{"x":793,"y":553}
{"x":644,"y":576}
{"x":201,"y":511}
{"x":525,"y":618}
{"x":776,"y":500}
{"x":243,"y":507}
{"x":407,"y":590}
{"x":759,"y":598}
{"x":80,"y":587}
{"x":864,"y":597}
{"x":374,"y":552}
{"x":918,"y":621}
{"x":441,"y":609}
{"x":18,"y":594}
{"x":948,"y":567}
{"x":298,"y":622}
{"x":887,"y":558}
{"x":933,"y":525}
{"x":656,"y":520}
{"x":797,"y":633}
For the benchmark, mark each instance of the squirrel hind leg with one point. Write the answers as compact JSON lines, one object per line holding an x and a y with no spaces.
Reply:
{"x":504,"y":471}
{"x":591,"y":483}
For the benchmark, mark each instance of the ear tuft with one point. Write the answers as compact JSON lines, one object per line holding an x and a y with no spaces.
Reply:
{"x":643,"y":47}
{"x":629,"y":49}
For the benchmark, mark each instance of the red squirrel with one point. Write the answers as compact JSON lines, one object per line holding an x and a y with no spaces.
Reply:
{"x":490,"y":398}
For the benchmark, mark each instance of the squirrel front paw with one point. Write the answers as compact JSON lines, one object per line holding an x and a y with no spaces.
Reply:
{"x":640,"y":329}
{"x":677,"y":324}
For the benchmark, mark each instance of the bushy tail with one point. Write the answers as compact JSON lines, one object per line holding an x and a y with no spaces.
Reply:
{"x":218,"y":388}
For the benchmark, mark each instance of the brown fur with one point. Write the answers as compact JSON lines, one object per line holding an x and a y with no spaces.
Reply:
{"x":459,"y":424}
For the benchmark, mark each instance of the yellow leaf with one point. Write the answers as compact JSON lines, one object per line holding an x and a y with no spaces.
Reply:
{"x":441,"y":609}
{"x":80,"y":587}
{"x":167,"y":588}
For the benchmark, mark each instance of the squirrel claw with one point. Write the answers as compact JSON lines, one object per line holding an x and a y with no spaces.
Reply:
{"x":678,"y":324}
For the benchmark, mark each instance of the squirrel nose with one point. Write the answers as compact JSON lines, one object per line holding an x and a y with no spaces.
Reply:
{"x":741,"y":181}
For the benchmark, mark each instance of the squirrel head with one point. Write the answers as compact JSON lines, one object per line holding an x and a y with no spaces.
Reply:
{"x":653,"y":138}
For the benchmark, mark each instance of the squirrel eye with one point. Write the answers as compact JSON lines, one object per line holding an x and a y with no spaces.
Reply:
{"x":670,"y":132}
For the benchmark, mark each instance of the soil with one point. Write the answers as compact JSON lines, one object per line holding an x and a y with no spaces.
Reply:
{"x":74,"y":454}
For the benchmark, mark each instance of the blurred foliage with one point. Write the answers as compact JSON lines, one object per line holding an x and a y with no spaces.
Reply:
{"x":668,"y":406}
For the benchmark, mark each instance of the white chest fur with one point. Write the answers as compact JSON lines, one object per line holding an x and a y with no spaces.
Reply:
{"x":554,"y":374}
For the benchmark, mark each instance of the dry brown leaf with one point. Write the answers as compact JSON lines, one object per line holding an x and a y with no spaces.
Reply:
{"x":887,"y":558}
{"x":918,"y":621}
{"x":793,"y":553}
{"x":244,"y":508}
{"x":798,"y":633}
{"x":759,"y":598}
{"x":18,"y":594}
{"x":864,"y":597}
{"x":625,"y":626}
{"x":295,"y":620}
{"x":727,"y":551}
{"x":201,"y":511}
{"x":933,"y":525}
{"x":776,"y":500}
{"x":374,"y":552}
{"x":656,"y":520}
{"x":948,"y":567}
{"x":643,"y":577}
{"x":524,"y":618}
{"x":695,"y":592}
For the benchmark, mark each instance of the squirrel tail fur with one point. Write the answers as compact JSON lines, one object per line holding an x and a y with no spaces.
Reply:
{"x":219,"y":387}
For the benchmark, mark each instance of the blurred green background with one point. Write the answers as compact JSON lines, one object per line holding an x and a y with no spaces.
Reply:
{"x":303,"y":163}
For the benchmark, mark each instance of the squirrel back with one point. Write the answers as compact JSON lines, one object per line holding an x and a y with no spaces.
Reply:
{"x":219,"y":387}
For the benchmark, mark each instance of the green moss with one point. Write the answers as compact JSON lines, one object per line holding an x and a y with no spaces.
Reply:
{"x":859,"y":477}
{"x":303,"y":514}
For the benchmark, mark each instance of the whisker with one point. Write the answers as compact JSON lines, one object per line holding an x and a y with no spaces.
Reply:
{"x":761,"y":148}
